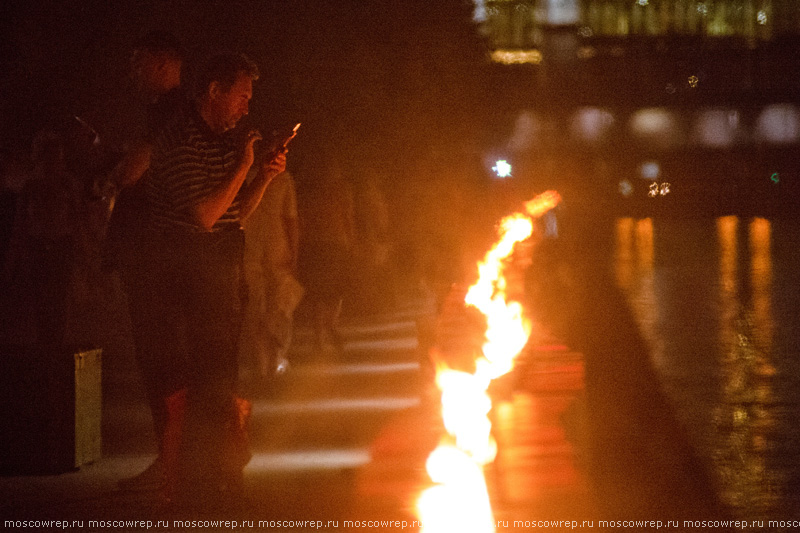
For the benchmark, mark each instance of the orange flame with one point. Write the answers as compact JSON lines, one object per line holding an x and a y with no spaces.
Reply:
{"x":459,"y":500}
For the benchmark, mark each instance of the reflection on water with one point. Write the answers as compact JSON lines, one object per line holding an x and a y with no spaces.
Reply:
{"x":742,"y":419}
{"x":634,"y":272}
{"x":702,"y":292}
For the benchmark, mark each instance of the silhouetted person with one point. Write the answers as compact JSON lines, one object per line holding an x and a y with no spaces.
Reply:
{"x":327,"y":226}
{"x":47,"y":239}
{"x":272,"y":239}
{"x":12,"y":175}
{"x":377,"y":291}
{"x":156,"y":67}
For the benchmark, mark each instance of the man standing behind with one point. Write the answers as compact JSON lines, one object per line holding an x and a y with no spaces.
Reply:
{"x":198,"y":199}
{"x":156,"y":66}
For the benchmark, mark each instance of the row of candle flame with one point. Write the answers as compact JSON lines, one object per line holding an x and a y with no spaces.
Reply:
{"x":459,"y":500}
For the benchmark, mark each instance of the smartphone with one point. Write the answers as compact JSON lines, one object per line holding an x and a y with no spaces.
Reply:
{"x":277,"y":143}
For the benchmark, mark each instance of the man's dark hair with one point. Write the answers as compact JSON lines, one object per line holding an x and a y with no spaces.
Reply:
{"x":225,"y":69}
{"x":157,"y":42}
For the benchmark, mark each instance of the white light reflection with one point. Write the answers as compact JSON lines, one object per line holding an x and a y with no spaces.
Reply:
{"x":356,"y":368}
{"x":383,"y":403}
{"x":323,"y":459}
{"x":389,"y":327}
{"x":406,"y":343}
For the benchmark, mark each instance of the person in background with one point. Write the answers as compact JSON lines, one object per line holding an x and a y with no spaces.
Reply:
{"x":13,"y":174}
{"x":48,"y":239}
{"x":328,"y":229}
{"x":272,"y":239}
{"x":378,"y":290}
{"x":156,"y":67}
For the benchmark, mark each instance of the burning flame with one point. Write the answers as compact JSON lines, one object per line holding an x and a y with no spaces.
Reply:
{"x":459,"y":500}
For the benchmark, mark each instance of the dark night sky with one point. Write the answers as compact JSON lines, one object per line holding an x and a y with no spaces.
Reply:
{"x":371,"y":74}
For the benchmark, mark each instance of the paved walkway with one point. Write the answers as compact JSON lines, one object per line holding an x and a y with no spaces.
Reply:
{"x":345,"y":438}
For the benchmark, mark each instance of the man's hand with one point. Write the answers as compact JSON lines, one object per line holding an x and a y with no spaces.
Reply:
{"x":274,"y":165}
{"x":270,"y":168}
{"x":248,"y":151}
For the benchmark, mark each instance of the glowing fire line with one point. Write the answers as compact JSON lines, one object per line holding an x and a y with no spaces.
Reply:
{"x":459,"y":498}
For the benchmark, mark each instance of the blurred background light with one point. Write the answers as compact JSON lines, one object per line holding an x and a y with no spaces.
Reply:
{"x":591,"y":124}
{"x":517,"y":57}
{"x":526,"y":127}
{"x":558,"y":12}
{"x":717,"y":128}
{"x":650,"y":170}
{"x":502,"y":168}
{"x":656,"y":125}
{"x":479,"y":14}
{"x":779,"y":124}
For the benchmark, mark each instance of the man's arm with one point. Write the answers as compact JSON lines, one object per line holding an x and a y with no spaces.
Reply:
{"x":207,"y":211}
{"x":254,"y":191}
{"x":133,"y":165}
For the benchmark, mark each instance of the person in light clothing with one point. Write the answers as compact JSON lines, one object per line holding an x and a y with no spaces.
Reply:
{"x":272,"y":238}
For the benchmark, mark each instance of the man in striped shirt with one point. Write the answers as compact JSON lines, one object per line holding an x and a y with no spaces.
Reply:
{"x":198,"y":199}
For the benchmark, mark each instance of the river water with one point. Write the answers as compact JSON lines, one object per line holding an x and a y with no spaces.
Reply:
{"x":717,"y":299}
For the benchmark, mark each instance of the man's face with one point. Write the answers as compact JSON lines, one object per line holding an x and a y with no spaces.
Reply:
{"x":230,"y":106}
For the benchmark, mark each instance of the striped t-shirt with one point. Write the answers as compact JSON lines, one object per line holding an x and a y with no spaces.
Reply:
{"x":189,"y":161}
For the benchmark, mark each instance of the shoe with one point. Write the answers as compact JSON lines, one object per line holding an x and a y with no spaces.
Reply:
{"x":153,"y":478}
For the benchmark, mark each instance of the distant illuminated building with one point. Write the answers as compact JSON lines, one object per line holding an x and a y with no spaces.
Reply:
{"x":629,"y":93}
{"x":519,"y":25}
